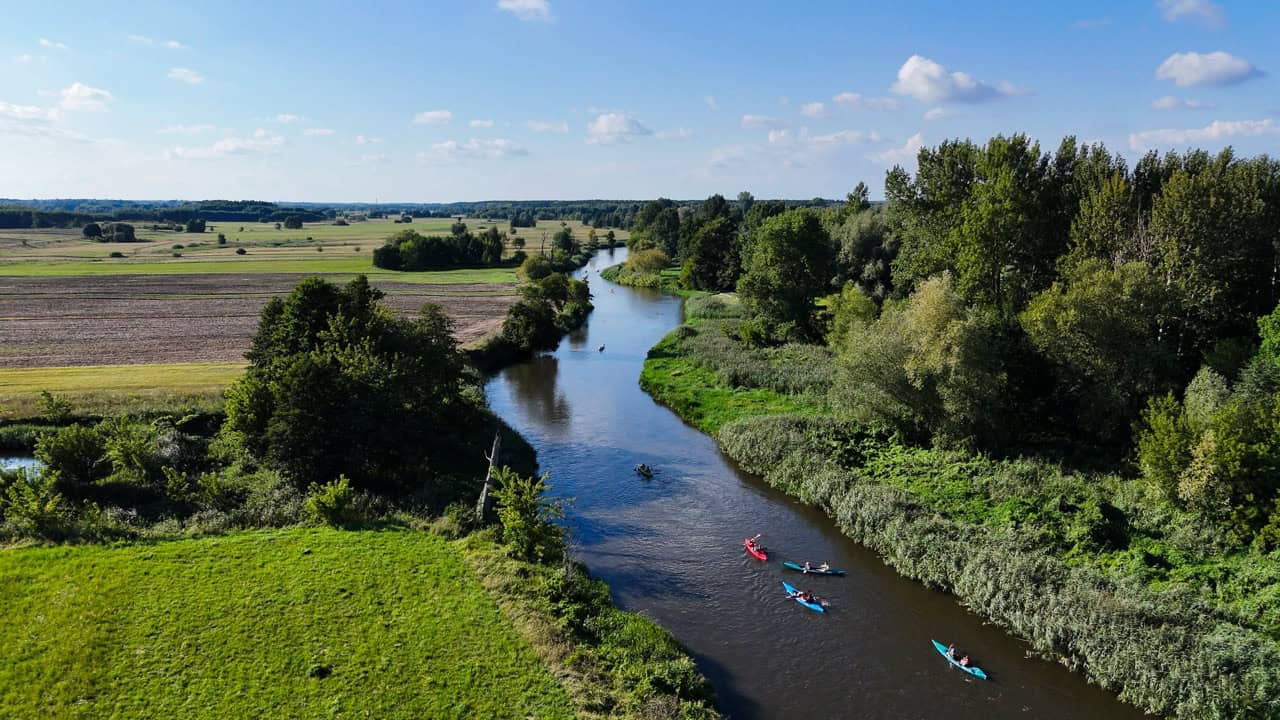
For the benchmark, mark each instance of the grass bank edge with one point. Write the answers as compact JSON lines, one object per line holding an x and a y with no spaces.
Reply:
{"x":1175,"y":659}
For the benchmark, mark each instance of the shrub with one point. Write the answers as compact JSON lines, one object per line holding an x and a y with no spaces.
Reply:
{"x":534,"y":267}
{"x":116,"y":254}
{"x":241,"y":251}
{"x":332,"y":503}
{"x":92,"y":230}
{"x":178,"y":246}
{"x":648,"y":261}
{"x":528,"y":516}
{"x":32,"y":507}
{"x":222,"y":239}
{"x":54,"y":409}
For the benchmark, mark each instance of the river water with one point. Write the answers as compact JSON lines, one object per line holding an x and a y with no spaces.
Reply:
{"x":671,"y":548}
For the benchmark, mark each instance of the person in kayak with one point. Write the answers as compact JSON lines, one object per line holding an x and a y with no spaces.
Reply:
{"x":824,"y":567}
{"x":807,"y":566}
{"x":964,"y":661}
{"x":951,"y":651}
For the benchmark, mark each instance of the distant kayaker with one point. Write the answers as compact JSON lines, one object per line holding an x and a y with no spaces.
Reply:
{"x":807,"y":566}
{"x":823,"y":567}
{"x":964,"y":661}
{"x":951,"y":651}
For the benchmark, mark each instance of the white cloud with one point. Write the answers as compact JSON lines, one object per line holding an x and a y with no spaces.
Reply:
{"x":261,"y":141}
{"x":844,"y":137}
{"x":935,"y":113}
{"x":858,"y":102}
{"x":186,"y":75}
{"x":727,"y":155}
{"x":366,"y":140}
{"x":24,"y":58}
{"x":778,"y":137}
{"x":473,"y":149}
{"x":317,"y":132}
{"x":676,"y":134}
{"x":711,"y":102}
{"x":150,"y":42}
{"x":432,"y":117}
{"x":80,"y":97}
{"x":751,"y":122}
{"x":1216,"y":130}
{"x":610,"y":128}
{"x":186,"y":129}
{"x":286,"y":118}
{"x":542,"y":126}
{"x":32,"y":121}
{"x":1206,"y":11}
{"x":44,"y":42}
{"x":1169,"y":102}
{"x":904,"y":154}
{"x":927,"y":81}
{"x":527,"y":9}
{"x":813,"y":110}
{"x":481,"y":123}
{"x":1215,"y":68}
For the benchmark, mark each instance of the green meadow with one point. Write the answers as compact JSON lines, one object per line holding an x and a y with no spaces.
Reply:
{"x":296,"y":623}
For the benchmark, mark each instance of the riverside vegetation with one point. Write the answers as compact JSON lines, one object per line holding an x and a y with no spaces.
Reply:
{"x":1042,"y":381}
{"x":410,"y":605}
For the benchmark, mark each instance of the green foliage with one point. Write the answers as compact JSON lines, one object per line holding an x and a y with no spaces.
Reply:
{"x":787,"y":267}
{"x":866,"y":249}
{"x":925,"y":368}
{"x":408,"y":250}
{"x":847,"y":310}
{"x":54,"y":409}
{"x":528,"y":516}
{"x":332,"y":503}
{"x":31,"y":506}
{"x":647,"y":261}
{"x":326,"y":356}
{"x":1100,"y":328}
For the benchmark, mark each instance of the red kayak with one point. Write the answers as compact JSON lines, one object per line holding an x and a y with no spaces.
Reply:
{"x":757,"y":551}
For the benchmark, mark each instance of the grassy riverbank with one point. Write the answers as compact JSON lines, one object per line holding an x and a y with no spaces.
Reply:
{"x":1072,"y":561}
{"x":623,"y":275}
{"x":392,"y":623}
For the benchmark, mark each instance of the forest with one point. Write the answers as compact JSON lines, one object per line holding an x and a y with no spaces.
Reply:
{"x":1072,"y":362}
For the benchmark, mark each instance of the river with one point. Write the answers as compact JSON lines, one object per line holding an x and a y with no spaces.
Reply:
{"x":671,"y":548}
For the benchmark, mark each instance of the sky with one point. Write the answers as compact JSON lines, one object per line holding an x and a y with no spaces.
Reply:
{"x":451,"y":100}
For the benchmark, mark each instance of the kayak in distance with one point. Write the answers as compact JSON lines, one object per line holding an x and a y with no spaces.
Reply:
{"x":971,"y":669}
{"x":813,"y":604}
{"x":756,"y":550}
{"x":811,"y":570}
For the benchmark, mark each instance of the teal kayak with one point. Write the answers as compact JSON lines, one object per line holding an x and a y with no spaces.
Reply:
{"x":972,"y":670}
{"x":812,"y":570}
{"x":811,"y":605}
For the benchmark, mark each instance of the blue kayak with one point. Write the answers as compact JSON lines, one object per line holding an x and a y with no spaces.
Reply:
{"x":812,"y":570}
{"x":792,"y":591}
{"x":972,"y":670}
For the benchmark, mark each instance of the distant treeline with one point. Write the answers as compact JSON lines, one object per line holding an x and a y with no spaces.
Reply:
{"x":408,"y":250}
{"x":76,"y":213}
{"x":520,"y":213}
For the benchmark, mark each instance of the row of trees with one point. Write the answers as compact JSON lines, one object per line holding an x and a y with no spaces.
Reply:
{"x":409,"y":250}
{"x":1004,"y":296}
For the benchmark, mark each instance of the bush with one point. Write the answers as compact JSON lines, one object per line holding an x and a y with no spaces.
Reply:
{"x":116,"y":254}
{"x":222,"y":239}
{"x":54,"y":409}
{"x":648,"y":261}
{"x":534,"y":267}
{"x":241,"y":251}
{"x":333,"y":503}
{"x":528,"y":516}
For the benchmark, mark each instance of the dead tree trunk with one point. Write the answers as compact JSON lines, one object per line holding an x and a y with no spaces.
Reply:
{"x":482,"y":505}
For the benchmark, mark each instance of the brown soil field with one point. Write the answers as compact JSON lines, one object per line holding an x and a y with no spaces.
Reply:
{"x":132,"y":319}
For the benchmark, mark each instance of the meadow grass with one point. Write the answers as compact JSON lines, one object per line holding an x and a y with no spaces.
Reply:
{"x":247,"y":264}
{"x":299,"y":623}
{"x":108,"y":389}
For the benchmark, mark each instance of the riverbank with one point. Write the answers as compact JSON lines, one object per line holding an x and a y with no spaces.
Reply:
{"x":1064,"y":560}
{"x":623,"y":275}
{"x":395,"y":622}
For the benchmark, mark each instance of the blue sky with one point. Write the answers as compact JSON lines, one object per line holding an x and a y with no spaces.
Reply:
{"x":557,"y":99}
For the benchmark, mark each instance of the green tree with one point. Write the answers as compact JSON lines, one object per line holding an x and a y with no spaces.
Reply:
{"x":713,"y":263}
{"x":1100,"y":327}
{"x":338,"y":385}
{"x":789,"y":266}
{"x":92,"y":230}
